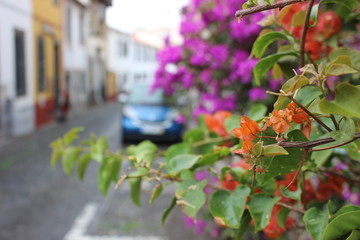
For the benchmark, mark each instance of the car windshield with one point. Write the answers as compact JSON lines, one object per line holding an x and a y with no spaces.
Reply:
{"x":142,"y":95}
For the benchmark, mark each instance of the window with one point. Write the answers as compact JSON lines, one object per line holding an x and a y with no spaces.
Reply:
{"x":123,"y":48}
{"x":20,"y":63}
{"x":41,"y":64}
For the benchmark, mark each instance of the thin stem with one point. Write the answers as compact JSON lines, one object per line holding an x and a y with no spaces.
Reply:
{"x":212,"y":140}
{"x":304,"y":33}
{"x":311,"y":144}
{"x":335,"y":146}
{"x":305,"y":153}
{"x":303,"y":193}
{"x":260,"y":8}
{"x":268,"y":137}
{"x":302,"y":211}
{"x":310,"y":113}
{"x":334,"y":121}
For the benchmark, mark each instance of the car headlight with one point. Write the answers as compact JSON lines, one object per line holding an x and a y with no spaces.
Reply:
{"x":129,"y":112}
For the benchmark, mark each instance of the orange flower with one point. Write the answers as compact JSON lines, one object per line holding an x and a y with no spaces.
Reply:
{"x":281,"y":119}
{"x":229,"y":183}
{"x":215,"y":122}
{"x":247,"y":132}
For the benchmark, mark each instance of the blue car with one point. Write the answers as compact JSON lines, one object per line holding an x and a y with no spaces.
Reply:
{"x":145,"y":115}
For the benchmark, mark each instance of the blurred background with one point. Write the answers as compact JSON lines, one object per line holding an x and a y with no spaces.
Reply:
{"x":68,"y":63}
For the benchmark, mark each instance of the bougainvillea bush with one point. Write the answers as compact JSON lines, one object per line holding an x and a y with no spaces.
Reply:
{"x":291,"y":173}
{"x":214,"y":59}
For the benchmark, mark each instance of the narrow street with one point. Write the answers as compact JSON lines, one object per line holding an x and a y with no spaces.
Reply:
{"x":41,"y":203}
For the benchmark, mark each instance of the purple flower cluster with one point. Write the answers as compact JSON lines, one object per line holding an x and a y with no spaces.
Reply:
{"x":214,"y":56}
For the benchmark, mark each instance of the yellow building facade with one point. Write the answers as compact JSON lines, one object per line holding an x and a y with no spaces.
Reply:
{"x":48,"y":72}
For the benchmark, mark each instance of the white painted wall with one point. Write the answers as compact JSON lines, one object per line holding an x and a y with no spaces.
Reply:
{"x":76,"y":24}
{"x":75,"y":52}
{"x":16,"y":15}
{"x":134,"y":65}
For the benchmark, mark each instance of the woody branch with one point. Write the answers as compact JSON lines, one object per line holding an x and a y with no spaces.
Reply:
{"x":260,"y":8}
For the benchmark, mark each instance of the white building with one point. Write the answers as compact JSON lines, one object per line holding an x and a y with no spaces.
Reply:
{"x":131,"y":60}
{"x":76,"y":29}
{"x":97,"y":49}
{"x":16,"y":68}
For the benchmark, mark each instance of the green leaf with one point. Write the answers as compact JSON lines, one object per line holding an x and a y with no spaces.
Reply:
{"x":201,"y":123}
{"x":228,"y":208}
{"x":157,"y":190}
{"x":314,"y":15}
{"x":57,"y":144}
{"x":258,"y":149}
{"x":342,"y":224}
{"x":355,"y":235}
{"x":208,"y":159}
{"x":308,"y":94}
{"x":352,"y":53}
{"x":145,"y":153}
{"x":353,"y":149}
{"x":346,"y":132}
{"x":108,"y":173}
{"x":339,"y":69}
{"x":257,"y":112}
{"x":55,"y":157}
{"x":193,"y":135}
{"x":263,"y":41}
{"x":268,"y":187}
{"x":130,"y":150}
{"x":174,"y":150}
{"x":72,"y":135}
{"x":263,"y":66}
{"x":350,"y":4}
{"x":260,"y":207}
{"x":283,"y":164}
{"x":296,"y":195}
{"x":274,"y":150}
{"x":320,"y":157}
{"x":315,"y":222}
{"x":191,"y":196}
{"x":346,"y":102}
{"x":82,"y":165}
{"x":167,"y":211}
{"x":70,"y":156}
{"x":282,"y":216}
{"x":292,"y":84}
{"x":135,"y":184}
{"x":232,"y":122}
{"x":208,"y":148}
{"x":244,"y":223}
{"x":183,"y":161}
{"x":345,"y":209}
{"x":98,"y":149}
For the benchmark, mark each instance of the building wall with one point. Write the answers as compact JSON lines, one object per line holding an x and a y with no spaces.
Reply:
{"x":135,"y":65}
{"x":16,"y":109}
{"x":97,"y":51}
{"x":47,"y":26}
{"x":75,"y":32}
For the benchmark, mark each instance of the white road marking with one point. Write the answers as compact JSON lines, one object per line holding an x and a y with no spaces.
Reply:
{"x":81,"y":223}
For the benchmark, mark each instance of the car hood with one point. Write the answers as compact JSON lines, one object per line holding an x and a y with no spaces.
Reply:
{"x":153,"y":113}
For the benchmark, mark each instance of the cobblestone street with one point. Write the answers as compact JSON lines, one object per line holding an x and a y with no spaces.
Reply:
{"x":40,"y":203}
